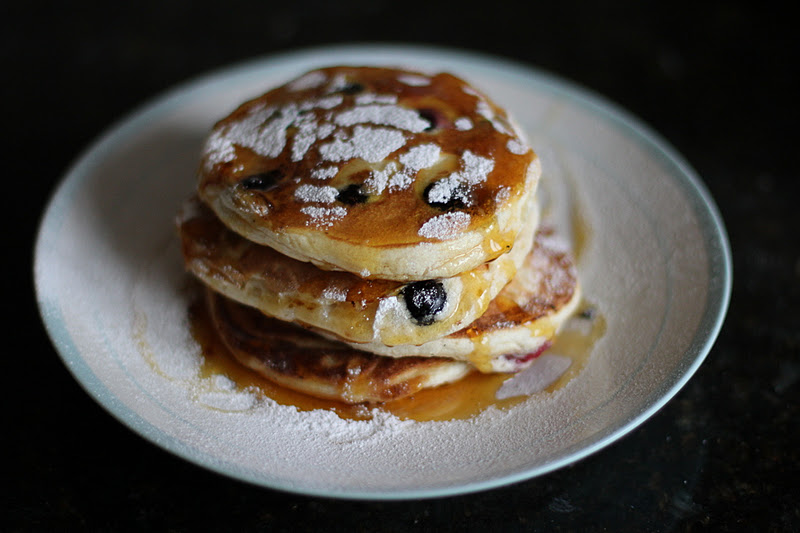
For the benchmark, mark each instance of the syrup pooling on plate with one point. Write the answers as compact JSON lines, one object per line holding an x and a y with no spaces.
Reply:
{"x":462,"y":399}
{"x":298,"y":359}
{"x":553,"y":285}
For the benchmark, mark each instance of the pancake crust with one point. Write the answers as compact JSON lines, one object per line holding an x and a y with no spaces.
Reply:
{"x":384,"y":173}
{"x":345,"y":305}
{"x":300,"y":360}
{"x":520,"y":322}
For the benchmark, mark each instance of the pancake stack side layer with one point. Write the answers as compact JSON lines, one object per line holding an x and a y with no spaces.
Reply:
{"x":368,"y":232}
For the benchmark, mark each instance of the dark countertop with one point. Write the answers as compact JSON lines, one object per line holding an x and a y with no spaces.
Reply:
{"x":718,"y":82}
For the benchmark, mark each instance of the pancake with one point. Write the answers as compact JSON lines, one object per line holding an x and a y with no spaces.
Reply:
{"x":519,"y":323}
{"x":385,"y":173}
{"x":300,"y":360}
{"x":343,"y":304}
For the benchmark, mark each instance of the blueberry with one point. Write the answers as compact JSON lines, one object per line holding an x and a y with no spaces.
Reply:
{"x":351,"y":195}
{"x":447,"y":197}
{"x":430,"y":116}
{"x":424,"y":299}
{"x":351,"y":88}
{"x":261,"y":182}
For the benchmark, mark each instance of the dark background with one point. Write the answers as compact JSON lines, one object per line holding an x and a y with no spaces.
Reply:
{"x":718,"y":80}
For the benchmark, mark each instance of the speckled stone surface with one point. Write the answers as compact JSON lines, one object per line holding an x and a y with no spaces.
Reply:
{"x":716,"y":81}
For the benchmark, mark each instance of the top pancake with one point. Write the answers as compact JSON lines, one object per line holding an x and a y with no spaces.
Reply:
{"x":384,"y":173}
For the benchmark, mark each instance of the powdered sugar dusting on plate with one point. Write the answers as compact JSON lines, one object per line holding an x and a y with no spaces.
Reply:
{"x":542,"y":373}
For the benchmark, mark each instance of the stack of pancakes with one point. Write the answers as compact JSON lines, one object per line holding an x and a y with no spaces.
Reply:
{"x":368,"y":232}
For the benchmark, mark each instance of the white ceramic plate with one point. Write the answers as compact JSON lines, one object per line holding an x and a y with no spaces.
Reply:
{"x":111,"y":289}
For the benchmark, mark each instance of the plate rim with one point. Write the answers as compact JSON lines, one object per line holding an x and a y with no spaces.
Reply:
{"x":712,"y":230}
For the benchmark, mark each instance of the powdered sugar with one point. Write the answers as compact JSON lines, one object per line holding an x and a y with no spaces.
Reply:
{"x":414,"y":80}
{"x":445,"y":227}
{"x":542,"y":373}
{"x":390,"y":310}
{"x":370,"y":144}
{"x":372,"y":98}
{"x":463,"y":124}
{"x":308,"y":132}
{"x":475,"y":168}
{"x":264,"y":131}
{"x":218,"y":149}
{"x":457,"y":186}
{"x":324,"y":173}
{"x":394,"y":176}
{"x":422,"y":156}
{"x":335,"y":294}
{"x":250,"y":132}
{"x":400,"y":180}
{"x":311,"y":80}
{"x":338,"y":83}
{"x":515,"y":146}
{"x":220,"y":393}
{"x":502,"y":196}
{"x":554,"y":241}
{"x":383,"y":115}
{"x":449,"y":191}
{"x":483,"y":109}
{"x":323,"y":216}
{"x":316,"y":193}
{"x":379,"y":179}
{"x":500,"y":126}
{"x":327,"y":102}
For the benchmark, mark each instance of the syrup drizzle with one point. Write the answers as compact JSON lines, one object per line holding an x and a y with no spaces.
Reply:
{"x":460,"y":400}
{"x":463,"y":399}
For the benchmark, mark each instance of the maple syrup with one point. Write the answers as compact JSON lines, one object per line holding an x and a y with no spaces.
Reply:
{"x":456,"y":401}
{"x":460,"y":400}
